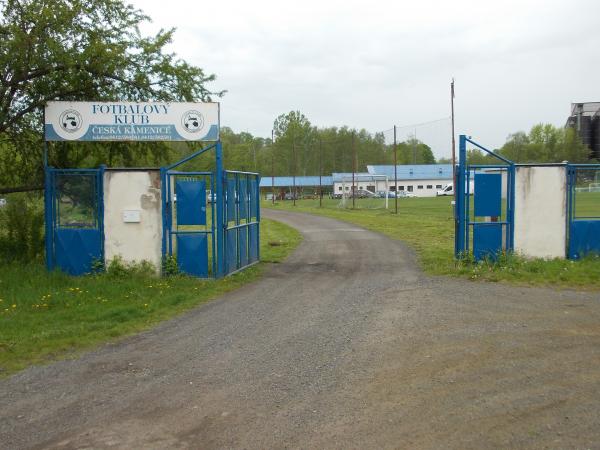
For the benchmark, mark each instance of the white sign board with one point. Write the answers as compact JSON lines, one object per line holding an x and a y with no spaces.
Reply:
{"x":131,"y":121}
{"x":132,"y":216}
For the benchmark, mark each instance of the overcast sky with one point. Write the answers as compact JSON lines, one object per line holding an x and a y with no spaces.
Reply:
{"x":373,"y":64}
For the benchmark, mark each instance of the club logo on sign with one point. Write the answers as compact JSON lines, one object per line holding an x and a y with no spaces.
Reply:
{"x":192,"y":121}
{"x":70,"y":121}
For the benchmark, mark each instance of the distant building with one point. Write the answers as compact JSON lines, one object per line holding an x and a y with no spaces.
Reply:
{"x":301,"y":185}
{"x":342,"y":182}
{"x":585,"y":118}
{"x":423,"y":180}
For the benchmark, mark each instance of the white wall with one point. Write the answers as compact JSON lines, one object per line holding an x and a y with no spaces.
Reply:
{"x":381,"y":186}
{"x":425,"y":191}
{"x":540,"y":211}
{"x":133,"y":191}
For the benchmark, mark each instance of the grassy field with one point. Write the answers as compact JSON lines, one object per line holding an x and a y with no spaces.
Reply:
{"x":427,"y":225}
{"x":48,"y":315}
{"x":587,"y":204}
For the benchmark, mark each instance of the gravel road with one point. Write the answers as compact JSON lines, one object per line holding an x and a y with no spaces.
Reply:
{"x":345,"y":345}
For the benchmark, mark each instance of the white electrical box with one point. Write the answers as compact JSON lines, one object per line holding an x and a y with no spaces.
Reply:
{"x":131,"y":216}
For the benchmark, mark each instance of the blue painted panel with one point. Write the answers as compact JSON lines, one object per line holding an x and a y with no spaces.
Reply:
{"x":253,"y":199}
{"x":230,"y":199}
{"x":253,"y":248}
{"x":584,"y":237}
{"x":243,"y":199}
{"x":192,"y":254}
{"x":487,"y":240}
{"x":243,"y":243}
{"x":191,"y":202}
{"x":488,"y":194}
{"x":231,"y":251}
{"x":76,"y":249}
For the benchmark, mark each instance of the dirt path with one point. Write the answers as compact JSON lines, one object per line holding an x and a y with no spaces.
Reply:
{"x":345,"y":345}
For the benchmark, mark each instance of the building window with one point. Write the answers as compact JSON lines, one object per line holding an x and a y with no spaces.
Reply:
{"x":347,"y":188}
{"x":420,"y":186}
{"x":393,"y":188}
{"x":429,"y":186}
{"x":340,"y":188}
{"x":409,"y":188}
{"x":371,"y":188}
{"x":401,"y":188}
{"x":438,"y":186}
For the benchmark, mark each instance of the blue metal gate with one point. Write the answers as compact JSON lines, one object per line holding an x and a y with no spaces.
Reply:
{"x":190,"y":226}
{"x":583,"y":210}
{"x":242,"y":233}
{"x":74,"y":219}
{"x":486,"y":223}
{"x":215,"y":232}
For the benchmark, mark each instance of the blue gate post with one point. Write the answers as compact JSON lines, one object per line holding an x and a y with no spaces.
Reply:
{"x":49,"y":217}
{"x":165,"y":226}
{"x":100,"y":209}
{"x":459,"y":212}
{"x":220,"y":225}
{"x":258,"y":215}
{"x":512,"y":172}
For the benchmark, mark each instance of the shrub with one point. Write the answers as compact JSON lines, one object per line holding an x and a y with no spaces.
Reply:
{"x":22,"y":228}
{"x":117,"y":268}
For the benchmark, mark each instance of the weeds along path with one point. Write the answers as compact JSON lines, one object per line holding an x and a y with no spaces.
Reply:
{"x":344,"y":345}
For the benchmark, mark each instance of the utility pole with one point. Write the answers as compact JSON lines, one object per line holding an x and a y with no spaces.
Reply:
{"x":320,"y":173}
{"x":273,"y":166}
{"x":294,"y":174}
{"x":395,"y":172}
{"x":352,"y":189}
{"x":453,"y":140}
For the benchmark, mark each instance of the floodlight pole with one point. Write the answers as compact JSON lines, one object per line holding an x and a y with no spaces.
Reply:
{"x":320,"y":173}
{"x":273,"y":166}
{"x":352,"y":189}
{"x":453,"y":140}
{"x":395,"y":173}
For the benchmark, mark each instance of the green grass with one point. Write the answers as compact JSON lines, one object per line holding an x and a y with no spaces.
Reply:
{"x":427,"y":225}
{"x":48,"y":315}
{"x":587,"y":204}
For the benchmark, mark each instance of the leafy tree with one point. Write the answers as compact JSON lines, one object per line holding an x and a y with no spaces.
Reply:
{"x":293,"y":134}
{"x":476,"y":156}
{"x":413,"y":151}
{"x":545,"y":143}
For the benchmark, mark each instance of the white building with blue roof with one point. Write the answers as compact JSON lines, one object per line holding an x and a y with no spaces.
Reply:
{"x":423,"y":180}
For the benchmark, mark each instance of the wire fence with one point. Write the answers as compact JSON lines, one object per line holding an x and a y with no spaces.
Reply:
{"x":436,"y":135}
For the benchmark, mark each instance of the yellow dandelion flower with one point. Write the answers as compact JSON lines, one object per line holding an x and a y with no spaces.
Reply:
{"x":14,"y":306}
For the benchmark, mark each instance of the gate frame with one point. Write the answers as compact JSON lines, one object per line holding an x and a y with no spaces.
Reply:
{"x":51,"y":213}
{"x":245,"y":226}
{"x":463,"y":224}
{"x":219,"y":221}
{"x":572,"y":169}
{"x":168,"y":231}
